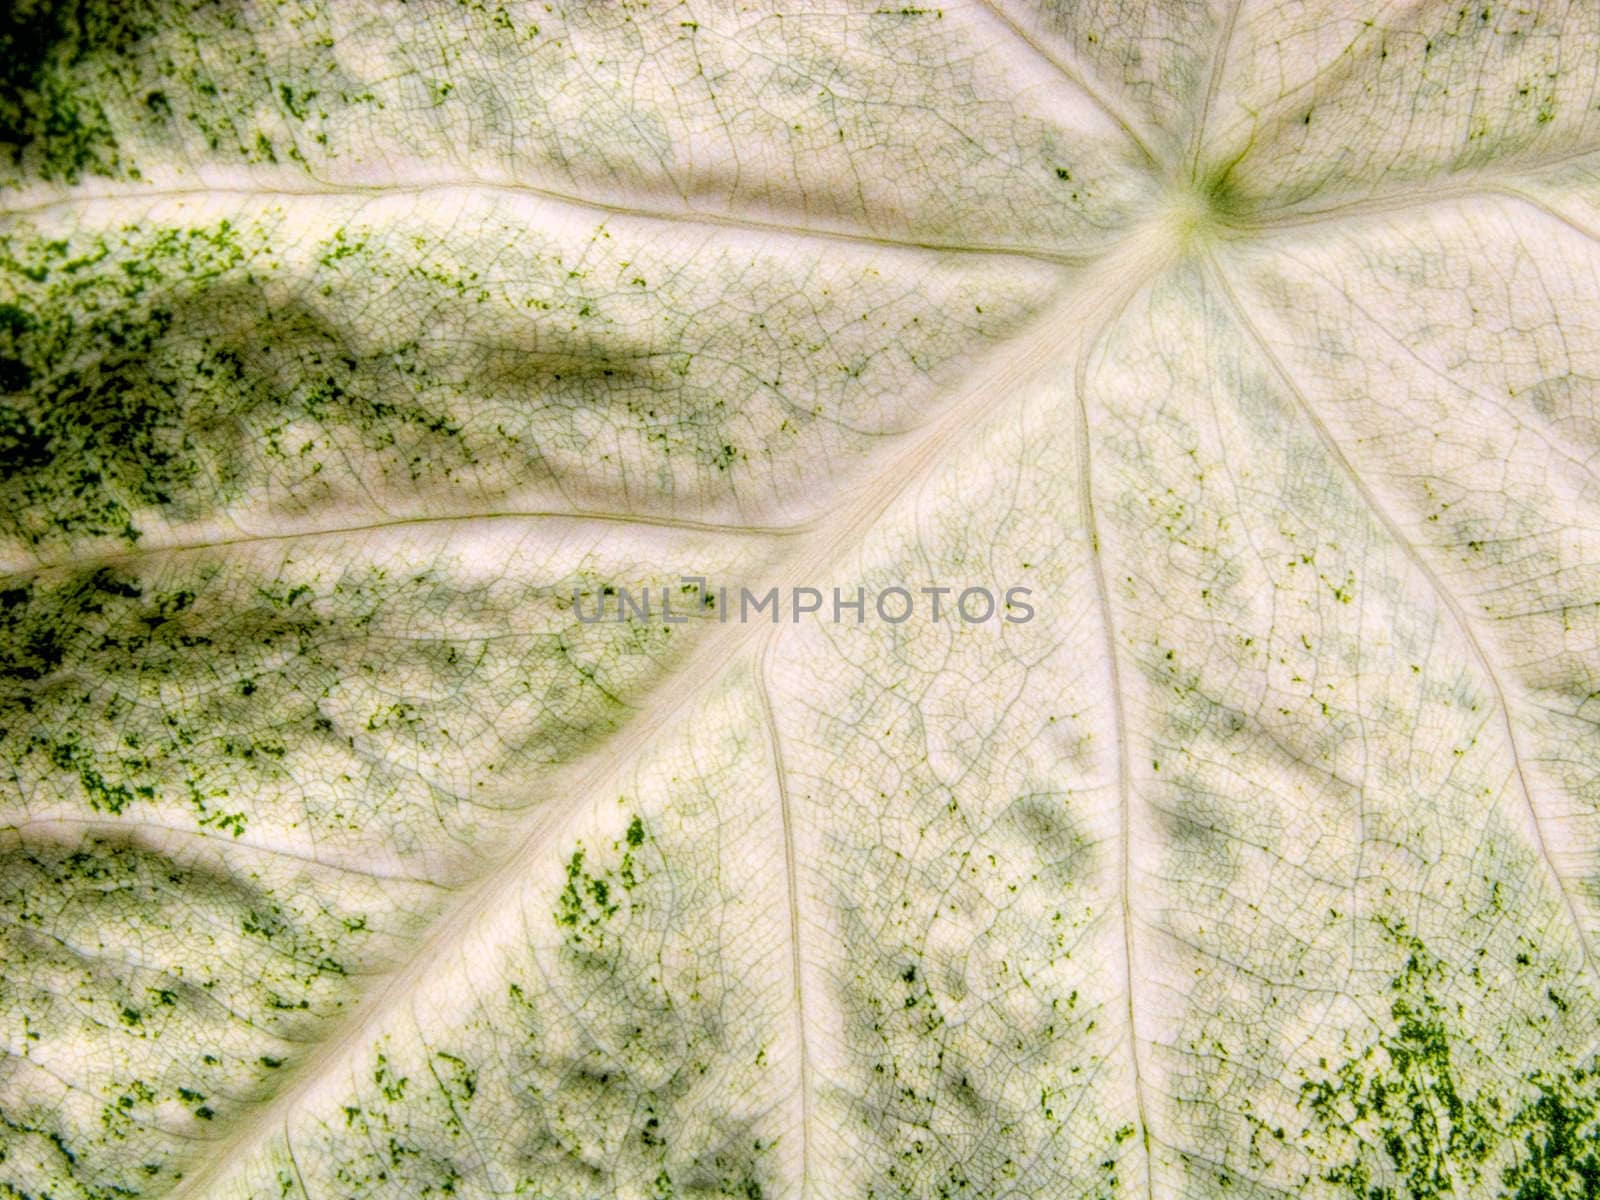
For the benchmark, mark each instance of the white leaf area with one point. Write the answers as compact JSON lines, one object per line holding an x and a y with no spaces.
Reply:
{"x":349,"y":350}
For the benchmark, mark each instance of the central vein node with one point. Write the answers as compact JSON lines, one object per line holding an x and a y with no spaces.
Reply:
{"x":1188,"y":219}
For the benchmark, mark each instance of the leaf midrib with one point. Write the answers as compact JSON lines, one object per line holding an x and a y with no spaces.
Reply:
{"x":45,"y":200}
{"x":152,"y":547}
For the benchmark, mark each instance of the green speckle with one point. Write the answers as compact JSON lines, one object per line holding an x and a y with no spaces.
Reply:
{"x":391,"y":1085}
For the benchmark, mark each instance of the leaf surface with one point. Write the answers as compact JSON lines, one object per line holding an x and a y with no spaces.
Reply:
{"x":352,"y":355}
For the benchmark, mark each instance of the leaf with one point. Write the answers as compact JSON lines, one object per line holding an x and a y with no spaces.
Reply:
{"x":355,"y":355}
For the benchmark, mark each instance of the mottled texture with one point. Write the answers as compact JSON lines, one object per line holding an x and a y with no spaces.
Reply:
{"x":385,"y":812}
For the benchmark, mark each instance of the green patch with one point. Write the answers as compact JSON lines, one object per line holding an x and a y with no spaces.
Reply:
{"x":1560,"y":1134}
{"x":1422,"y":1132}
{"x":51,"y":121}
{"x":147,"y":374}
{"x":598,"y":890}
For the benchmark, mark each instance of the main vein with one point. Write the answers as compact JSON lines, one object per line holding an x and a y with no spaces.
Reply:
{"x":792,"y":881}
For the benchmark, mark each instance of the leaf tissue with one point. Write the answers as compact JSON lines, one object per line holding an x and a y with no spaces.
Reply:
{"x":1227,"y":370}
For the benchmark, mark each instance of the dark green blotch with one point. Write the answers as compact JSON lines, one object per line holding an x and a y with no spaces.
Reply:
{"x":34,"y":636}
{"x":1401,"y":1098}
{"x":1561,"y":1140}
{"x":14,"y":377}
{"x":95,"y":437}
{"x":50,"y":121}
